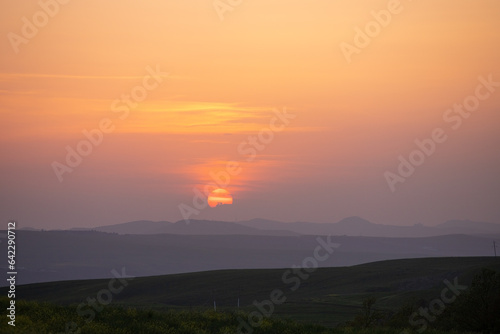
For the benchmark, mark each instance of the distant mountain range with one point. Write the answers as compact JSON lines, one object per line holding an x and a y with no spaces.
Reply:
{"x":352,"y":226}
{"x":68,"y":255}
{"x":193,"y":227}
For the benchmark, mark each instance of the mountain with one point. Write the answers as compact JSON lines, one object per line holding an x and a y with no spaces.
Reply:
{"x":469,"y":227}
{"x":326,"y":296}
{"x":135,"y":227}
{"x":356,"y":226}
{"x":351,"y":226}
{"x":210,"y":227}
{"x":193,"y":227}
{"x":68,"y":255}
{"x":27,"y":228}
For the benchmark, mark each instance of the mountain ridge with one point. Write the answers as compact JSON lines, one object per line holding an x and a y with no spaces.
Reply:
{"x":350,"y":226}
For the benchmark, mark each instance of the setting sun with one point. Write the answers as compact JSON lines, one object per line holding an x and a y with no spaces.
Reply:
{"x":222,"y":154}
{"x":219,"y":197}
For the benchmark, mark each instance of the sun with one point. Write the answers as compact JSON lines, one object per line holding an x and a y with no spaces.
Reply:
{"x":219,"y":197}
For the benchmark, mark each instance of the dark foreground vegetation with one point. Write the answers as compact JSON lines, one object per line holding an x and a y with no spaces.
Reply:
{"x":433,"y":295}
{"x":40,"y":318}
{"x":476,"y":310}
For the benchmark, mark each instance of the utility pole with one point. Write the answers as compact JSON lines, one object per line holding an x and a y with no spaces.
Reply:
{"x":213,"y":296}
{"x":495,"y":248}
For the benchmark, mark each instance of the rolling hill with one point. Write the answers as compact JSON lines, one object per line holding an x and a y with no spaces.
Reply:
{"x":69,"y":255}
{"x":356,"y":226}
{"x":327,"y":296}
{"x":192,"y":227}
{"x":351,"y":226}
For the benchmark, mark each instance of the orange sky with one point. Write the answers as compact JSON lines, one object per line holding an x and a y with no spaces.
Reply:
{"x":224,"y":80}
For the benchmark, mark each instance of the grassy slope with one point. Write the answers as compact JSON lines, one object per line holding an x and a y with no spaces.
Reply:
{"x":328,"y":296}
{"x":44,"y":318}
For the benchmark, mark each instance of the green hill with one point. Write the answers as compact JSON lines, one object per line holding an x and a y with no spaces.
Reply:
{"x":43,"y":318}
{"x":326,"y":296}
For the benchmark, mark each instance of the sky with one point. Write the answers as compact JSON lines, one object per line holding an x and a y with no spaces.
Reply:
{"x":302,"y":110}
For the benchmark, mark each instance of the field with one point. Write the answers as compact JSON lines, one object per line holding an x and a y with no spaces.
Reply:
{"x":326,"y":297}
{"x":44,"y":318}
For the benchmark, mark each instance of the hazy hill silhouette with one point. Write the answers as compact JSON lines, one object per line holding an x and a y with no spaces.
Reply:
{"x":66,"y":255}
{"x":328,"y":296}
{"x":356,"y":226}
{"x":351,"y":226}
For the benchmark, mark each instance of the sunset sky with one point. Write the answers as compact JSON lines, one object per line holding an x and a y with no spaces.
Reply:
{"x":222,"y":81}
